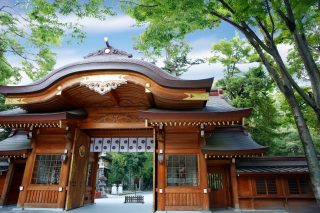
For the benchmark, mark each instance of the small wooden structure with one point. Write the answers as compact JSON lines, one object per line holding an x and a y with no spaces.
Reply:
{"x":133,"y":199}
{"x":112,"y":102}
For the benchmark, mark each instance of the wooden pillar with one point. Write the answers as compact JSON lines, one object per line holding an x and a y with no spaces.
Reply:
{"x":161,"y":171}
{"x":234,"y":183}
{"x":27,"y":172}
{"x":155,"y":171}
{"x":94,"y":171}
{"x":204,"y":181}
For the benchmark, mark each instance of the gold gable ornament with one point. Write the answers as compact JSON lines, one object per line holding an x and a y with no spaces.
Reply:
{"x":103,"y":84}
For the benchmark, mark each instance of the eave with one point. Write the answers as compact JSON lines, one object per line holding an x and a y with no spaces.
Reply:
{"x":231,"y":142}
{"x":18,"y":144}
{"x":194,"y":118}
{"x":102,"y":64}
{"x":18,"y":118}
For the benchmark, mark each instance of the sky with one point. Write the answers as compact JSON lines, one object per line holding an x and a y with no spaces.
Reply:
{"x":121,"y":29}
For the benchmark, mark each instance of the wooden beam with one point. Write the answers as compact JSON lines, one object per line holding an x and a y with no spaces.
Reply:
{"x":161,"y":185}
{"x":114,"y":99}
{"x":70,"y":100}
{"x":204,"y":180}
{"x":150,"y":99}
{"x":234,"y":185}
{"x":155,"y":170}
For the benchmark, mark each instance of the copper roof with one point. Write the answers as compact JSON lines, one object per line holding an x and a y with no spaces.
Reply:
{"x":270,"y":169}
{"x":4,"y":164}
{"x":18,"y":118}
{"x":217,"y":107}
{"x":17,"y":143}
{"x":232,"y":140}
{"x":112,"y":62}
{"x":272,"y":165}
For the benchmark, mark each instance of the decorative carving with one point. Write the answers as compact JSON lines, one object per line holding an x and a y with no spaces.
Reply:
{"x":82,"y":151}
{"x":109,"y":51}
{"x":103,"y":84}
{"x":118,"y":118}
{"x":204,"y":96}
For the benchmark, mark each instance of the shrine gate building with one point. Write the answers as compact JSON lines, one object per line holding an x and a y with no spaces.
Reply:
{"x":203,"y":157}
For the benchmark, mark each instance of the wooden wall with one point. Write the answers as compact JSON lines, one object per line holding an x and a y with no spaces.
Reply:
{"x":185,"y":141}
{"x":2,"y":182}
{"x":283,"y":200}
{"x":46,"y":141}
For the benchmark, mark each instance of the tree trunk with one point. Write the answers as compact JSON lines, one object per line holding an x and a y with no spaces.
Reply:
{"x":307,"y":142}
{"x":311,"y":67}
{"x":284,"y":85}
{"x":302,"y":45}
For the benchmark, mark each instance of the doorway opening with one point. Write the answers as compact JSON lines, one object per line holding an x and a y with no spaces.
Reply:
{"x":125,"y":171}
{"x":12,"y":193}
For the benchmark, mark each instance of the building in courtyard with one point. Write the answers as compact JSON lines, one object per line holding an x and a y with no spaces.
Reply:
{"x":203,"y":157}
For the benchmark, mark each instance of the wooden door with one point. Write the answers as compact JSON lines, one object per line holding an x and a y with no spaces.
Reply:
{"x":78,"y":171}
{"x":15,"y":183}
{"x":219,"y":183}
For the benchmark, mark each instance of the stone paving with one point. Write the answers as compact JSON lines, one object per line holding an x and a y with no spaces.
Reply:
{"x":115,"y":204}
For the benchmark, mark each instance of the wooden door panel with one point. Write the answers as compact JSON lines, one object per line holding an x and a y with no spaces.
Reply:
{"x":78,"y":171}
{"x":218,"y":181}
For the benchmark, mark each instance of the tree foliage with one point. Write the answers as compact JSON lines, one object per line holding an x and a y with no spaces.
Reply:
{"x":270,"y":122}
{"x":248,"y":88}
{"x":126,"y":166}
{"x":265,"y":24}
{"x":29,"y":30}
{"x":174,"y":56}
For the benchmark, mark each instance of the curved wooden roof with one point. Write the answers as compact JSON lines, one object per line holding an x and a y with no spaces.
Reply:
{"x":134,"y":83}
{"x":102,"y":63}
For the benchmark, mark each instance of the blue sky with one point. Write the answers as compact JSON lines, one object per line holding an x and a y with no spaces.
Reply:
{"x":120,"y":30}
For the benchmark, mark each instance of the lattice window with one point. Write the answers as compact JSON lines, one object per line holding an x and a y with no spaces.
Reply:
{"x":266,"y":186}
{"x":215,"y":181}
{"x":47,"y":169}
{"x":182,"y":170}
{"x":298,"y":185}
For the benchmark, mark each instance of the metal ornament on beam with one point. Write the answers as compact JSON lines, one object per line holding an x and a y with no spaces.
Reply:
{"x":14,"y":101}
{"x":198,"y":96}
{"x":103,"y":84}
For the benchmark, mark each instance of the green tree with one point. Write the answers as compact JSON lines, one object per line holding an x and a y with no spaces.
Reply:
{"x":248,"y":88}
{"x":126,"y":166}
{"x":232,"y":53}
{"x":117,"y":172}
{"x":265,"y":24}
{"x":29,"y":30}
{"x":175,"y":56}
{"x":254,"y":88}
